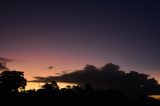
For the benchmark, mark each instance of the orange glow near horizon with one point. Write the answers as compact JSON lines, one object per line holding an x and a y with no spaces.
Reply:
{"x":36,"y":85}
{"x":155,"y":96}
{"x":32,"y":70}
{"x":36,"y":63}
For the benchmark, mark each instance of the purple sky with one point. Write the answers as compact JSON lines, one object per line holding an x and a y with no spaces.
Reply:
{"x":69,"y":34}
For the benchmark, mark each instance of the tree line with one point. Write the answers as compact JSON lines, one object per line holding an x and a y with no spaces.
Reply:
{"x":12,"y":89}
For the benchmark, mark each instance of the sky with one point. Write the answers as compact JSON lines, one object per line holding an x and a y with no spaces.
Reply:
{"x":47,"y":38}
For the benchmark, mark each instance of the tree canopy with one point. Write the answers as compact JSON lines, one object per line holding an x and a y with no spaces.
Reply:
{"x":12,"y":80}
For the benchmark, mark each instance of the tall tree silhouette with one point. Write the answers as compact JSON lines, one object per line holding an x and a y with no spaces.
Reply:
{"x":51,"y":86}
{"x":12,"y":80}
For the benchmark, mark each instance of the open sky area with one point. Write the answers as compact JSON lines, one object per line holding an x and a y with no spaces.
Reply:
{"x":48,"y":38}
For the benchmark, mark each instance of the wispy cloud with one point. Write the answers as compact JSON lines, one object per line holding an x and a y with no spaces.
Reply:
{"x":3,"y":59}
{"x":3,"y":62}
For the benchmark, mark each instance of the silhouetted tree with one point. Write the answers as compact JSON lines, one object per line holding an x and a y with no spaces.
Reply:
{"x":110,"y":77}
{"x":12,"y":80}
{"x":88,"y":87}
{"x":77,"y":89}
{"x":68,"y":87}
{"x":51,"y":86}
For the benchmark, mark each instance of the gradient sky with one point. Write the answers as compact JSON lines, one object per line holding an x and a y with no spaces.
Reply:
{"x":69,"y":34}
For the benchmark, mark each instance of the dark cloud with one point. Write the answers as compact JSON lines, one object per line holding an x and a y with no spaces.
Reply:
{"x":108,"y":77}
{"x":3,"y":62}
{"x":63,"y":72}
{"x":50,"y":67}
{"x":3,"y":59}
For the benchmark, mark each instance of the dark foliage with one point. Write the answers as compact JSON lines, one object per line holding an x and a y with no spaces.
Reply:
{"x":110,"y":77}
{"x":75,"y":95}
{"x":51,"y":95}
{"x":12,"y":81}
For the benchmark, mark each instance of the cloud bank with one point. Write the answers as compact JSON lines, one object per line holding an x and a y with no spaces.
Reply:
{"x":108,"y":77}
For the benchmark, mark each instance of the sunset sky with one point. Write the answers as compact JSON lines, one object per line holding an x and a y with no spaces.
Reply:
{"x":47,"y":38}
